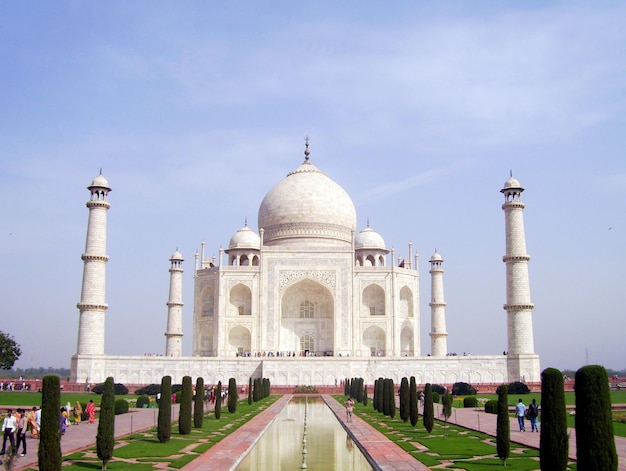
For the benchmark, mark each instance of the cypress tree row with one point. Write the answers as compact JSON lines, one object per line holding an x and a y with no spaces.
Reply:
{"x":50,"y":457}
{"x":595,"y":442}
{"x":198,"y":405}
{"x":392,"y":398}
{"x":429,"y":411}
{"x":105,"y":439}
{"x":413,"y":401}
{"x":250,"y":390}
{"x":554,"y":440}
{"x":184,"y":412}
{"x":233,"y":396}
{"x":164,"y":424}
{"x":218,"y":400}
{"x":503,"y":424}
{"x":404,"y":399}
{"x":386,"y":401}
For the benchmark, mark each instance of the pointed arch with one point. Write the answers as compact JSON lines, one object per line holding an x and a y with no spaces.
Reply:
{"x":240,"y":299}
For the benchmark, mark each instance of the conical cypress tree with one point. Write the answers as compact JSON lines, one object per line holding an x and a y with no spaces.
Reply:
{"x":503,"y":424}
{"x":218,"y":400}
{"x":380,"y":395}
{"x":250,"y":391}
{"x":375,"y":396}
{"x":392,"y":398}
{"x":386,"y":409}
{"x":232,"y":395}
{"x":164,"y":425}
{"x":404,"y":399}
{"x":50,"y":457}
{"x":413,"y":401}
{"x":105,"y":439}
{"x":365,"y":395}
{"x":595,"y":442}
{"x":198,"y":405}
{"x":256,"y":389}
{"x":184,"y":412}
{"x":554,"y":441}
{"x":429,"y":411}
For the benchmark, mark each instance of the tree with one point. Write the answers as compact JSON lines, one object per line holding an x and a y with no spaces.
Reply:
{"x":218,"y":400}
{"x":256,"y":390}
{"x":105,"y":439}
{"x":233,"y":396}
{"x":365,"y":395}
{"x":386,"y":400}
{"x":595,"y":442}
{"x":404,"y":399}
{"x":164,"y":426}
{"x":392,"y":398}
{"x":429,"y":411}
{"x":250,"y":391}
{"x":503,"y":424}
{"x":413,"y":401}
{"x":198,"y":405}
{"x":446,"y":401}
{"x":50,"y":457}
{"x":9,"y":351}
{"x":554,"y":441}
{"x":184,"y":413}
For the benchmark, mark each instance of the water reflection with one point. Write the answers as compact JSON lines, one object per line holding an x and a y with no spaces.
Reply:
{"x":328,"y":446}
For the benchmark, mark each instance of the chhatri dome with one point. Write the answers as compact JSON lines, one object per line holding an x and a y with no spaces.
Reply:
{"x":307,"y":207}
{"x":245,"y":238}
{"x":368,"y":238}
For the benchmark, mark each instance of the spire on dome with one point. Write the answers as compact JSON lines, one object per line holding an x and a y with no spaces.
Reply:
{"x":368,"y":222}
{"x":245,"y":223}
{"x":306,"y":148}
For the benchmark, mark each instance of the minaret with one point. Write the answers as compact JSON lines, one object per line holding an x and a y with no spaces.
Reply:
{"x":92,"y":305}
{"x":438,"y":334}
{"x":174,"y":334}
{"x":518,"y":305}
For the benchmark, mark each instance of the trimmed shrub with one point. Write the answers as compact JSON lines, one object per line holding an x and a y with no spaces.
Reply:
{"x":184,"y":413}
{"x":518,"y":388}
{"x":436,"y":397}
{"x":198,"y":405}
{"x":554,"y":441}
{"x":503,"y":424}
{"x":105,"y":439}
{"x":595,"y":442}
{"x":218,"y":400}
{"x":233,"y":396}
{"x":439,"y":389}
{"x":413,"y":401}
{"x":121,"y":406}
{"x":429,"y":412}
{"x":119,"y":389}
{"x":470,"y":401}
{"x":164,"y":426}
{"x":491,"y":406}
{"x":142,"y":402}
{"x":463,"y":389}
{"x":150,"y":390}
{"x":50,"y":457}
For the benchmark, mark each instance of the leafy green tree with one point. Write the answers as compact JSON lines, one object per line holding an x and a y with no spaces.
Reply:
{"x":554,"y":440}
{"x":184,"y":412}
{"x":413,"y":414}
{"x":105,"y":439}
{"x":595,"y":442}
{"x":404,"y":399}
{"x":233,"y":396}
{"x":50,"y":457}
{"x":218,"y":400}
{"x":9,"y":351}
{"x":429,"y":410}
{"x":164,"y":425}
{"x":250,"y":391}
{"x":198,"y":405}
{"x":503,"y":424}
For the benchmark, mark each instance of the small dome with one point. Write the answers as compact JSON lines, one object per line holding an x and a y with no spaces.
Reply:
{"x":99,"y":181}
{"x":177,"y":256}
{"x":245,"y":238}
{"x":512,"y":183}
{"x":436,"y":257}
{"x":368,"y":238}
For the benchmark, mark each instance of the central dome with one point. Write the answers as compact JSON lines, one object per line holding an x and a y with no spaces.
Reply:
{"x":307,"y":206}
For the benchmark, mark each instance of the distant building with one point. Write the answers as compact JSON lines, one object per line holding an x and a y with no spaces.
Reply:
{"x":306,"y":300}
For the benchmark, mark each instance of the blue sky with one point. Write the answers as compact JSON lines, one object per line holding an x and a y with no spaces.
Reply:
{"x":420,"y":110}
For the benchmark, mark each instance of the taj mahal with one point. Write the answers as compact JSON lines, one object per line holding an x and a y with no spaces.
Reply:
{"x":307,"y":300}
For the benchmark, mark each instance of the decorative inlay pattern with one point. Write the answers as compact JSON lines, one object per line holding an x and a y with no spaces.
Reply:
{"x":288,"y":277}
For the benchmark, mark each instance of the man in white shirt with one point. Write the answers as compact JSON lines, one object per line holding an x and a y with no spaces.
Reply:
{"x":9,"y":425}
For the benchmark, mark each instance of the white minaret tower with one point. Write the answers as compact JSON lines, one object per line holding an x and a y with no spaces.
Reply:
{"x":92,"y":305}
{"x":174,"y":333}
{"x":438,"y":334}
{"x":518,"y":305}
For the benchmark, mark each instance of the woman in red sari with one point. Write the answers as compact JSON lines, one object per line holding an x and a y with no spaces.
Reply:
{"x":91,"y":410}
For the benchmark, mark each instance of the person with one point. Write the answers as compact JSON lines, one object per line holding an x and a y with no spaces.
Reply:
{"x":349,"y":409}
{"x":8,"y":429}
{"x":38,"y":421}
{"x":32,"y":422}
{"x":520,"y":411}
{"x":21,"y":432}
{"x":91,"y":410}
{"x":68,"y":410}
{"x":533,"y":414}
{"x":63,"y":420}
{"x":78,"y":412}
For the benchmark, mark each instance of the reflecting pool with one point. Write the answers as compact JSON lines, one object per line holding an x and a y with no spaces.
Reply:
{"x":325,"y":446}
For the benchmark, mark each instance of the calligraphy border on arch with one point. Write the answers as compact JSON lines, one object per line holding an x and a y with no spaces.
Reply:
{"x":289,"y":277}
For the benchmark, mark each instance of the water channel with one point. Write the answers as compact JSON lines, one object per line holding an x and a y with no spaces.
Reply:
{"x":305,"y":435}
